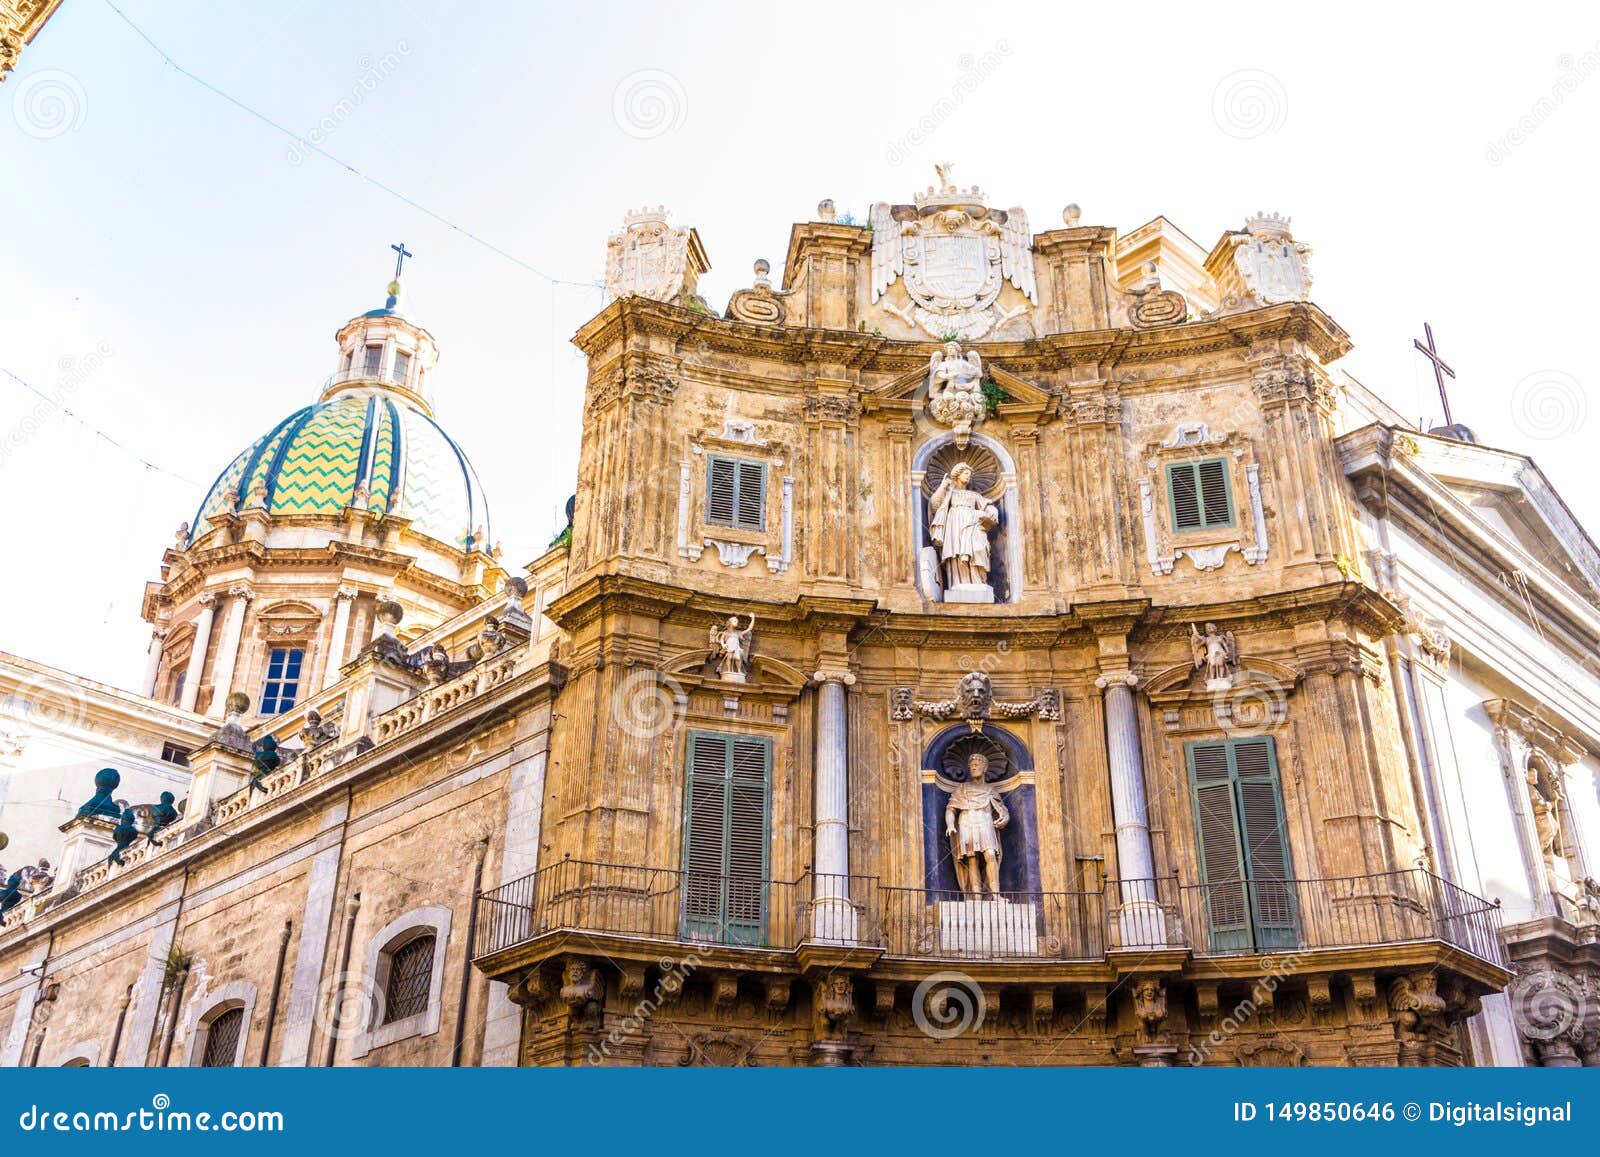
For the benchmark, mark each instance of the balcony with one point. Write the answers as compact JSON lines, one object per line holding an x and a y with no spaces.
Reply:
{"x":384,"y":375}
{"x":579,"y":900}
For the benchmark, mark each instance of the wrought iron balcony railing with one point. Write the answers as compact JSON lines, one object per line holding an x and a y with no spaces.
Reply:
{"x":1237,"y":918}
{"x":1278,"y":916}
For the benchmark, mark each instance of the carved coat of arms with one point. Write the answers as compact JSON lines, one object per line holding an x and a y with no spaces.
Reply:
{"x":954,"y":255}
{"x":1271,"y":262}
{"x":650,"y":258}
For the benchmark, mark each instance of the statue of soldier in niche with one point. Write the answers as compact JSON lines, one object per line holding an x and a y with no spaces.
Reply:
{"x":972,"y":820}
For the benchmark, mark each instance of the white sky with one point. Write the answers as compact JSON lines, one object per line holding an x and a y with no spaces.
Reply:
{"x":175,"y":234}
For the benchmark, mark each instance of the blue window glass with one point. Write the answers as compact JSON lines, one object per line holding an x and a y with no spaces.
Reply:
{"x":282,"y":687}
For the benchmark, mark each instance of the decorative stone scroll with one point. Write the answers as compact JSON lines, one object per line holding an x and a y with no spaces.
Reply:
{"x":760,"y":304}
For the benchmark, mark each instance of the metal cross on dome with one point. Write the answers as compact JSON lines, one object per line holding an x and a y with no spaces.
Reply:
{"x":401,"y":253}
{"x":1440,"y":370}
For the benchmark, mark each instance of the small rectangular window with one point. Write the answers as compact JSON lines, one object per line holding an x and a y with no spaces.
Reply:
{"x":282,"y":686}
{"x":736,"y":493}
{"x":173,"y":754}
{"x":177,"y":686}
{"x":374,"y":361}
{"x":1199,"y":495}
{"x":402,"y":367}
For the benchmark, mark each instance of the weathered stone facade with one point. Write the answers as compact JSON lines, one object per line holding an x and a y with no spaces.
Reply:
{"x":688,"y":795}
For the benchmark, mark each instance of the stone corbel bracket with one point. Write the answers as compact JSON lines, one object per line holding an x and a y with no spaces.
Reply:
{"x":1206,"y":549}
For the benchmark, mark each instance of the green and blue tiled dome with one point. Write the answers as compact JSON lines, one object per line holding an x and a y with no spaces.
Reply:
{"x":371,"y":449}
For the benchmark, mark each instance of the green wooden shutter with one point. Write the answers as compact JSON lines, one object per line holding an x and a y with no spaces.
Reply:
{"x":726,"y":824}
{"x":1244,"y":851}
{"x":1199,"y":495}
{"x":704,"y":836}
{"x":1266,"y":844}
{"x":752,"y":509}
{"x":1183,"y":495}
{"x":749,"y":765}
{"x":1222,"y":872}
{"x":1215,"y":505}
{"x":721,"y":490}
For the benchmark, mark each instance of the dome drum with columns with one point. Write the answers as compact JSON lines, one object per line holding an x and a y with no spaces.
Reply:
{"x":357,"y":497}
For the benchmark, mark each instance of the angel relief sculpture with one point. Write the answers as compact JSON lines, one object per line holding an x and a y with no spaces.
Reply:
{"x":955,"y":389}
{"x":730,"y":648}
{"x":1216,"y":653}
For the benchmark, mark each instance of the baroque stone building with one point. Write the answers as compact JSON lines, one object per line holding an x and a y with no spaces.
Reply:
{"x":979,"y":645}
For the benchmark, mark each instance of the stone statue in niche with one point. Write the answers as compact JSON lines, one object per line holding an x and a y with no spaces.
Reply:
{"x":1544,"y":796}
{"x":730,"y":649}
{"x":955,"y":390}
{"x":972,"y":821}
{"x":1215,"y":652}
{"x":959,"y":527}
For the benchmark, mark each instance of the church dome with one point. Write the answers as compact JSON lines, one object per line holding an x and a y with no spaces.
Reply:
{"x":372,"y":449}
{"x":369,"y":441}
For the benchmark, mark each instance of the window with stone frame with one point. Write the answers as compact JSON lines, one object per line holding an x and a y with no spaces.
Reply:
{"x":405,"y":961}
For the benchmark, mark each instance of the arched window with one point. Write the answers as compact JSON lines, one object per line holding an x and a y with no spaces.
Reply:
{"x":223,"y":1035}
{"x":219,"y":1030}
{"x":410,"y":968}
{"x":405,"y":964}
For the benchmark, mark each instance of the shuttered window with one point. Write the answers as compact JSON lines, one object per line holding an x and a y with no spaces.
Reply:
{"x":222,"y":1039}
{"x":725,"y":840}
{"x":1243,"y":846}
{"x":736,"y":493}
{"x":1199,"y":495}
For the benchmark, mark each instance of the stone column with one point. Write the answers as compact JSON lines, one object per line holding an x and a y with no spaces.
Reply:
{"x":152,"y":661}
{"x":197,"y":655}
{"x":1140,"y":918}
{"x":342,"y":599}
{"x":833,"y":915}
{"x":228,"y":649}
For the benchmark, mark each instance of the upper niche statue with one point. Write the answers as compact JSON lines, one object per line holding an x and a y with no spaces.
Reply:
{"x":959,"y":525}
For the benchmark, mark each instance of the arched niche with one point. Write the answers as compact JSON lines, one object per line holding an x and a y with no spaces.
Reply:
{"x":1011,"y":770}
{"x":990,"y":460}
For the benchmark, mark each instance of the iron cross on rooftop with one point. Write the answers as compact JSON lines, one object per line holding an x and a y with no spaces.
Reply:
{"x":1440,"y":370}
